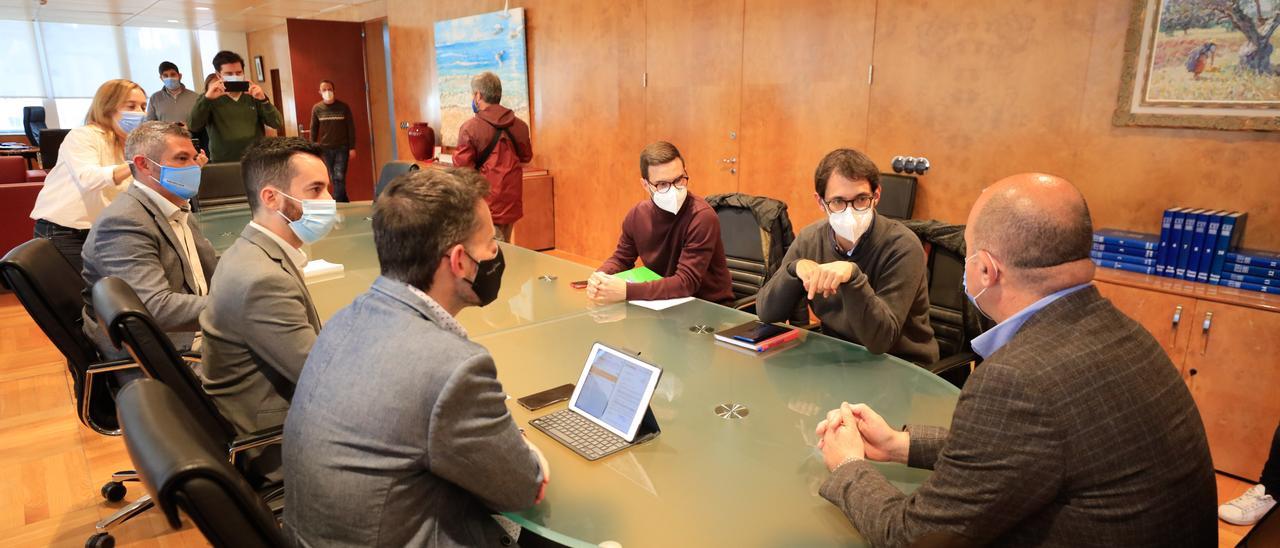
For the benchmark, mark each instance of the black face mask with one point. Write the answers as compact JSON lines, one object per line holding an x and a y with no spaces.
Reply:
{"x":488,"y":280}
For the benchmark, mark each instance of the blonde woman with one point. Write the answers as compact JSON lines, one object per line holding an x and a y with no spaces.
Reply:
{"x":91,"y":168}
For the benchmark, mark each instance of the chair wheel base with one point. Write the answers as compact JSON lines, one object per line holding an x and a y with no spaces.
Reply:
{"x":100,"y":540}
{"x":114,"y":491}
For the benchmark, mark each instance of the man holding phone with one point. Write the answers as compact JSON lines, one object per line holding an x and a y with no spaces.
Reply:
{"x":234,"y":121}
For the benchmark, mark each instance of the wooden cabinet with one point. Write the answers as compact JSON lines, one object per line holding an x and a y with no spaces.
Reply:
{"x":537,"y":229}
{"x":1232,"y":366}
{"x":1226,"y":344}
{"x":1167,"y":317}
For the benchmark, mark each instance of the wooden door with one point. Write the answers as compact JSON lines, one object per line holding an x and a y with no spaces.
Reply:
{"x":334,"y":50}
{"x":1233,"y":370}
{"x":1168,"y":317}
{"x":804,"y":94}
{"x":693,"y":88}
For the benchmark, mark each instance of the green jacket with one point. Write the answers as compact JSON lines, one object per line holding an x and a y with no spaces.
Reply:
{"x":233,"y":125}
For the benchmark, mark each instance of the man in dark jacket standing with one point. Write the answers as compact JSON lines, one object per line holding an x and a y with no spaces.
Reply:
{"x":495,"y":143}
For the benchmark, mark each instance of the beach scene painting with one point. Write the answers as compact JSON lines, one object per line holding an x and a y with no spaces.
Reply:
{"x":467,"y":46}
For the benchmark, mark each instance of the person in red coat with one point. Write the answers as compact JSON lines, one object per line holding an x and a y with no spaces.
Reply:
{"x":495,"y":143}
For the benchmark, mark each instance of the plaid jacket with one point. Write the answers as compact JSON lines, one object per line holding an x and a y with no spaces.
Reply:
{"x":1078,"y":432}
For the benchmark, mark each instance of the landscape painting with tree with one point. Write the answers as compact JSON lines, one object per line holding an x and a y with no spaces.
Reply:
{"x":1214,"y":52}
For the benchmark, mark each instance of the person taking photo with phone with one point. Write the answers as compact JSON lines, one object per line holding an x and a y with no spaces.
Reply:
{"x":233,"y":121}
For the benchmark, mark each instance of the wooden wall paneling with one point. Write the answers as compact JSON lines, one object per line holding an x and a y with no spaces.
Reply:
{"x":1231,"y":370}
{"x":273,"y":45}
{"x":1130,"y":175}
{"x":589,"y":116}
{"x":380,"y":123}
{"x":982,"y":92}
{"x":804,"y":93}
{"x":334,"y":50}
{"x":693,"y":98}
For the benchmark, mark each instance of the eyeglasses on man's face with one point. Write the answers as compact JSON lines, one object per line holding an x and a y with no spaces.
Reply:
{"x":861,"y":202}
{"x":661,"y":187}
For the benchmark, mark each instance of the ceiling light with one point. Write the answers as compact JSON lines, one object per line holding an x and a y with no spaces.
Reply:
{"x":173,"y":21}
{"x":202,"y":8}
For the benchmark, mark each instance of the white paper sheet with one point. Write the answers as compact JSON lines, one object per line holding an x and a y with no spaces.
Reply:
{"x":662,"y":304}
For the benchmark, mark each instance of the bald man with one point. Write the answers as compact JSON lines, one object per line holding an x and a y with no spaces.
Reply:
{"x":1076,"y":430}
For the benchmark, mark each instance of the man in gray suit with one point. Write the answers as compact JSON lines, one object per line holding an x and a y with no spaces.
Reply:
{"x":260,"y":323}
{"x":148,"y":238}
{"x":1076,"y":430}
{"x":399,"y":434}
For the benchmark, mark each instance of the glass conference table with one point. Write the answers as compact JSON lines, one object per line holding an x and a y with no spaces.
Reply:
{"x":707,"y":479}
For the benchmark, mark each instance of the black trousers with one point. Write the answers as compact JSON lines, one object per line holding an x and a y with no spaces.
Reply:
{"x":68,"y":241}
{"x":1271,"y":471}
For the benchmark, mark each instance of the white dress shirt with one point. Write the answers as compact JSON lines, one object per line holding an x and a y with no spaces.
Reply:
{"x":177,"y":217}
{"x":296,"y":256}
{"x":82,"y":184}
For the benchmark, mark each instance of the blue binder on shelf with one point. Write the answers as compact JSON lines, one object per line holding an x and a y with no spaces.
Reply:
{"x":1250,"y":287}
{"x":1175,"y":241}
{"x":1229,"y":232}
{"x":1209,"y":245}
{"x":1117,"y":265}
{"x":1255,"y":257}
{"x":1256,"y":280}
{"x":1127,"y":238}
{"x":1184,"y":245}
{"x":1137,"y":261}
{"x":1130,"y":251}
{"x":1236,"y":268}
{"x":1166,"y":226}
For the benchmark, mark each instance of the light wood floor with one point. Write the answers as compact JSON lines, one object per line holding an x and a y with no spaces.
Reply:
{"x":53,"y":466}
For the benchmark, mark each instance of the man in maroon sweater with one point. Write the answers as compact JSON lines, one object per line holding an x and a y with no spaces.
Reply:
{"x":675,"y":233}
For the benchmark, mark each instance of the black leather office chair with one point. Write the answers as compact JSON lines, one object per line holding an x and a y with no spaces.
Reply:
{"x":221,"y":185}
{"x":897,"y":195}
{"x":390,"y":171}
{"x":50,"y":143}
{"x":183,"y":470}
{"x":756,"y":232}
{"x":50,"y":291}
{"x":130,"y":326}
{"x":32,"y":123}
{"x":954,"y":319}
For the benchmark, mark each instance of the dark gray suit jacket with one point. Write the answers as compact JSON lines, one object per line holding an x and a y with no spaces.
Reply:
{"x":258,"y":327}
{"x":1078,"y":432}
{"x":133,"y":241}
{"x":399,"y":434}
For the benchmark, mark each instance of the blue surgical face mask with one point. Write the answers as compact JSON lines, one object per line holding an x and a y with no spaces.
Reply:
{"x":318,"y":218}
{"x":183,"y":182}
{"x":475,"y":108}
{"x":964,"y":283}
{"x":130,"y":120}
{"x":171,"y":83}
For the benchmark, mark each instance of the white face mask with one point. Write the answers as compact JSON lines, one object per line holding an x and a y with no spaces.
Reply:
{"x":326,"y":95}
{"x":671,"y":200}
{"x":850,"y":224}
{"x":233,"y":78}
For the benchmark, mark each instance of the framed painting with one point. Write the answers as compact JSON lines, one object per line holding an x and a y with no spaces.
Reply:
{"x":1201,"y":64}
{"x":465,"y":47}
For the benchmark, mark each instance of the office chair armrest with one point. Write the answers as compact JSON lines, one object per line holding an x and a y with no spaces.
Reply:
{"x":113,"y":365}
{"x":261,"y":438}
{"x":950,"y":363}
{"x":190,"y":356}
{"x":87,"y":395}
{"x":745,"y":302}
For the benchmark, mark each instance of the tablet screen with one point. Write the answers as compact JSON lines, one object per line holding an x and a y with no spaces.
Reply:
{"x":614,"y":390}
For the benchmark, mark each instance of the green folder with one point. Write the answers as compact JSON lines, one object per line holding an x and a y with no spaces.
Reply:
{"x":638,"y":275}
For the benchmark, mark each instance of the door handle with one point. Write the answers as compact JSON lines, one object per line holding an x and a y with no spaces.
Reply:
{"x":1204,"y":330}
{"x":1177,"y":320}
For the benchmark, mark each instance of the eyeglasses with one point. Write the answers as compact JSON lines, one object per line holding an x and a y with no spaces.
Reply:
{"x":680,"y":183}
{"x":861,"y":202}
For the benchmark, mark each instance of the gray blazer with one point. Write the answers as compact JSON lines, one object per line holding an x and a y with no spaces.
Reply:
{"x":1078,"y":432}
{"x":132,"y":241}
{"x":258,"y":327}
{"x":399,"y":434}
